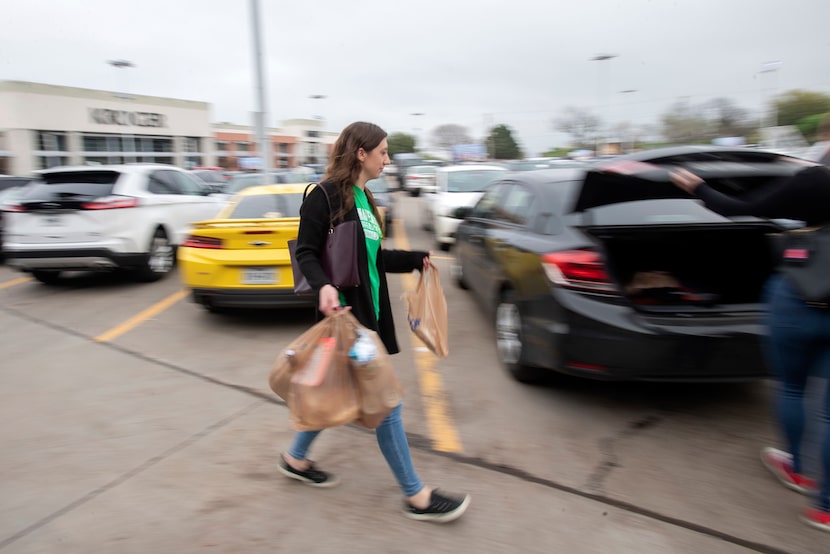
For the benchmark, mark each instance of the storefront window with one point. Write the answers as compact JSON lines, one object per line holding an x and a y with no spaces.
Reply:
{"x":51,"y":141}
{"x":191,"y":144}
{"x":162,"y":145}
{"x":47,"y":162}
{"x":193,"y":161}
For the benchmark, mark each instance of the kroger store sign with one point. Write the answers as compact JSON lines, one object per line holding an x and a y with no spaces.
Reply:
{"x":123,"y":117}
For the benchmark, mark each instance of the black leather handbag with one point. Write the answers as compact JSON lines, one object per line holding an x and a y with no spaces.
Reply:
{"x":806,"y":262}
{"x":339,"y":258}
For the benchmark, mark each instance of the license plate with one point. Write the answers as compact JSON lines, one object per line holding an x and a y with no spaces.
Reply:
{"x":259,"y":276}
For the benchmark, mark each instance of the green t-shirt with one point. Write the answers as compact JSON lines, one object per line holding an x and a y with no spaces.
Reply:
{"x":374,"y":235}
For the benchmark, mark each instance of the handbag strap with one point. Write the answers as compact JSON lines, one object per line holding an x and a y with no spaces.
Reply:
{"x":328,"y":201}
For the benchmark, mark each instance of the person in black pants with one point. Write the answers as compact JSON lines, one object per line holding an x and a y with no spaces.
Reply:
{"x":798,"y":338}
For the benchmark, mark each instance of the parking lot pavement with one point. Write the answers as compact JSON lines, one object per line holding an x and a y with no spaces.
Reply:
{"x":114,"y":453}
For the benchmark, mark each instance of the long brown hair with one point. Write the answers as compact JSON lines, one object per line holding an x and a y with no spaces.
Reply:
{"x":344,"y":165}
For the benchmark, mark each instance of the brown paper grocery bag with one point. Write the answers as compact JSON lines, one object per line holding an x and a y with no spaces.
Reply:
{"x":428,"y":312}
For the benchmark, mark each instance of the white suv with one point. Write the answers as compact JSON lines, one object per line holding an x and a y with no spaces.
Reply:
{"x":455,"y":186}
{"x":102,"y":218}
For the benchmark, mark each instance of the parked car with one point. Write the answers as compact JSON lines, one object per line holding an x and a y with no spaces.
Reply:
{"x":240,"y":257}
{"x":420,"y":178}
{"x":390,"y":173}
{"x":402,"y":162}
{"x":102,"y":218}
{"x":384,"y":200}
{"x":529,"y":164}
{"x":456,"y":186}
{"x":214,"y":181}
{"x":241,"y":181}
{"x":612,"y":272}
{"x":10,"y":187}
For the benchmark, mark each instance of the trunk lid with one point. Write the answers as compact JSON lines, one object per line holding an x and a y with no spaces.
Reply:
{"x":247,"y":240}
{"x":69,"y":207}
{"x":667,"y":252}
{"x":645,"y":176}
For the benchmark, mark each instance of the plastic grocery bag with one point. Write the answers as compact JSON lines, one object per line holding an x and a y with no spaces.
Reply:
{"x":314,"y":376}
{"x":428,"y":312}
{"x":378,"y":386}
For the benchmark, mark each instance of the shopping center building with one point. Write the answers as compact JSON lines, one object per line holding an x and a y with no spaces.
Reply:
{"x":44,"y":126}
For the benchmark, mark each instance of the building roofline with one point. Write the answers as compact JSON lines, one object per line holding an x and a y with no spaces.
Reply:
{"x":96,"y":94}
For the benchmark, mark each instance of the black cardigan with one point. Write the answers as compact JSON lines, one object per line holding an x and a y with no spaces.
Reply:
{"x":314,"y":226}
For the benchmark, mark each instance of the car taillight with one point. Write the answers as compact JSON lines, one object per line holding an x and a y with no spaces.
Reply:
{"x":196,"y":241}
{"x":413,"y":177}
{"x":13,"y":208}
{"x":111,"y":203}
{"x":578,"y":269}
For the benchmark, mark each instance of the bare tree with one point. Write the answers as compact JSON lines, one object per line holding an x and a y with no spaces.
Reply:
{"x":581,"y":124}
{"x":448,"y":135}
{"x":728,"y":118}
{"x":684,"y":123}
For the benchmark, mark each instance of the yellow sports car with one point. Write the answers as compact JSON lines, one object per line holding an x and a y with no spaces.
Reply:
{"x":240,"y":258}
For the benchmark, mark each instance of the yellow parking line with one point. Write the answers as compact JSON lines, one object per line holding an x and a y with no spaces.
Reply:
{"x":441,"y":427}
{"x":14,"y":282}
{"x":141,"y":317}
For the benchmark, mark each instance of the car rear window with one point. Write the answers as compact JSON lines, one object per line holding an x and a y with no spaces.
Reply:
{"x":72,"y":184}
{"x":475,"y":180}
{"x":268,"y":206}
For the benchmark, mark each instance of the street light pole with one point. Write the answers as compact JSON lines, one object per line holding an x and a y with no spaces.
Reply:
{"x":321,"y":119}
{"x":770,"y":67}
{"x":260,"y":80}
{"x":416,"y":128}
{"x":600,"y":89}
{"x":630,"y":142}
{"x":125,"y":144}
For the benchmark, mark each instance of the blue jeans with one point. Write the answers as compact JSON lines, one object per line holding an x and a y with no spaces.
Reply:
{"x":798,"y":347}
{"x":393,"y":444}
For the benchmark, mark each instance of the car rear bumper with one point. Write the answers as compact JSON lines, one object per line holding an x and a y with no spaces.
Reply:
{"x":90,"y":259}
{"x":236,"y":298}
{"x":445,"y":229}
{"x":627,"y":347}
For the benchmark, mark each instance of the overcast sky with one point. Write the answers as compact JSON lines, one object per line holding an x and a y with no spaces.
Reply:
{"x":467,"y":62}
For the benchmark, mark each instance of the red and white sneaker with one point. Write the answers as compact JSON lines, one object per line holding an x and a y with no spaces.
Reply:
{"x":814,"y":517}
{"x":780,"y":464}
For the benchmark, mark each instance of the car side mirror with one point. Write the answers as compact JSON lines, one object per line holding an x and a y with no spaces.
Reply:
{"x":462,"y":212}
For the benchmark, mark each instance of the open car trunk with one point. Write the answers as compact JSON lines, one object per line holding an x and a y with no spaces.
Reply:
{"x":677,"y":256}
{"x":666,"y":251}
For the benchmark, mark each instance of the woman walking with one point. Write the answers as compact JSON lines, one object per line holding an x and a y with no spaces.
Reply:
{"x":798,"y":340}
{"x":360,"y":154}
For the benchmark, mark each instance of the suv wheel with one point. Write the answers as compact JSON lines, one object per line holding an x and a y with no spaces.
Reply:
{"x":47,"y":277}
{"x":160,"y":258}
{"x":510,"y":339}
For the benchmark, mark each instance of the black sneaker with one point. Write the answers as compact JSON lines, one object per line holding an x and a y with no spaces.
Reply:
{"x":312,"y":476}
{"x":441,"y":509}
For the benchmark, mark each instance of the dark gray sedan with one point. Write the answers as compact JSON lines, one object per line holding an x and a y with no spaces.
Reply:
{"x":612,"y":272}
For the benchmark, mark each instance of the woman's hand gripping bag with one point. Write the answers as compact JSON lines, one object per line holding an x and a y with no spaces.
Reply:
{"x":428,"y":312}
